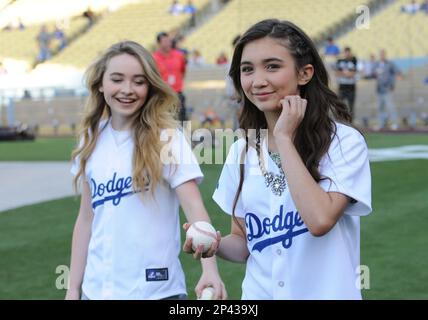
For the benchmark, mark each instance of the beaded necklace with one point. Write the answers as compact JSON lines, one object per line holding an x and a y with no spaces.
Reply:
{"x":276,"y":182}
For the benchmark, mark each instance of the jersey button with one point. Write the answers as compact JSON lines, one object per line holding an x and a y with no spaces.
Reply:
{"x":281,"y":283}
{"x":278,"y":252}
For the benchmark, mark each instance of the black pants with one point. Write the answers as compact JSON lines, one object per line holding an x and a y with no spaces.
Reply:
{"x":347,"y":94}
{"x":182,"y":113}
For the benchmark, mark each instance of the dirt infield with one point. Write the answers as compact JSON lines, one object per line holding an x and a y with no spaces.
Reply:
{"x":26,"y":183}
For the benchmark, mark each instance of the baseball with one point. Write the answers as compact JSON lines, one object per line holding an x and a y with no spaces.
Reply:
{"x":201,"y":232}
{"x":207,"y":294}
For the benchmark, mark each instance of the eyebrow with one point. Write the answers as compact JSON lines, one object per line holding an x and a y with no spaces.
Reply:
{"x":264,"y":61}
{"x":121,"y":74}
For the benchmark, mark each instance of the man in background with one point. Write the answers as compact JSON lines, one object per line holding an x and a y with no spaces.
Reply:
{"x":386,"y":72}
{"x":346,"y":77}
{"x":172,"y":67}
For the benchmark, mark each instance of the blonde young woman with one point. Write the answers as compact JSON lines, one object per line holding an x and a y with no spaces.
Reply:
{"x":126,"y":240}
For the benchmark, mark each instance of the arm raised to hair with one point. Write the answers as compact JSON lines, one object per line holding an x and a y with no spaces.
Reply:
{"x":320,"y":210}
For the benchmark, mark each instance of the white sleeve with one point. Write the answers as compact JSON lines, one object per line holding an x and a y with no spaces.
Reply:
{"x":347,"y":170}
{"x":179,"y":163}
{"x":227,"y":185}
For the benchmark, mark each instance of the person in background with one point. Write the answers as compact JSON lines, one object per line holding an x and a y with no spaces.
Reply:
{"x":368,"y":67}
{"x":196,"y":59}
{"x":222,"y":59}
{"x":190,"y":8}
{"x":424,"y":6}
{"x":172,"y":67}
{"x":176,"y":8}
{"x":59,"y":36}
{"x":44,"y":39}
{"x":386,"y":73}
{"x":90,"y":16}
{"x":346,"y":77}
{"x":331,"y":49}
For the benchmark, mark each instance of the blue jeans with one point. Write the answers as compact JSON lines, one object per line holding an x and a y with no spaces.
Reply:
{"x":386,"y":109}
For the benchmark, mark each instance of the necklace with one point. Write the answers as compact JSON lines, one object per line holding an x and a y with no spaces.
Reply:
{"x":276,"y":182}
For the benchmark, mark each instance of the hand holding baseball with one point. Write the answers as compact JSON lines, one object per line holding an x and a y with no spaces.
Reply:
{"x":201,"y":239}
{"x":207,"y":294}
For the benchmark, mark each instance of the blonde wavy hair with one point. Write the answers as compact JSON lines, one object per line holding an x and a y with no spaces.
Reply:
{"x":156,"y":114}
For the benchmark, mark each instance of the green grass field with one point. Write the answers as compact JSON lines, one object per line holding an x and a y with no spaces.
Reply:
{"x":46,"y":149}
{"x":35,"y":239}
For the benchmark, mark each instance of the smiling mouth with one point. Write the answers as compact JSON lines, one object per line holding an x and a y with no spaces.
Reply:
{"x":125,"y":100}
{"x":262,"y":94}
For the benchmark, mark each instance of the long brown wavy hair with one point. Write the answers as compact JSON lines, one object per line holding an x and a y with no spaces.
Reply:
{"x":317,"y":129}
{"x":156,"y":114}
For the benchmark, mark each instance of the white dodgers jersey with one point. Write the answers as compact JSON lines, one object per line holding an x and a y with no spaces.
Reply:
{"x":135,"y":241}
{"x":286,"y":261}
